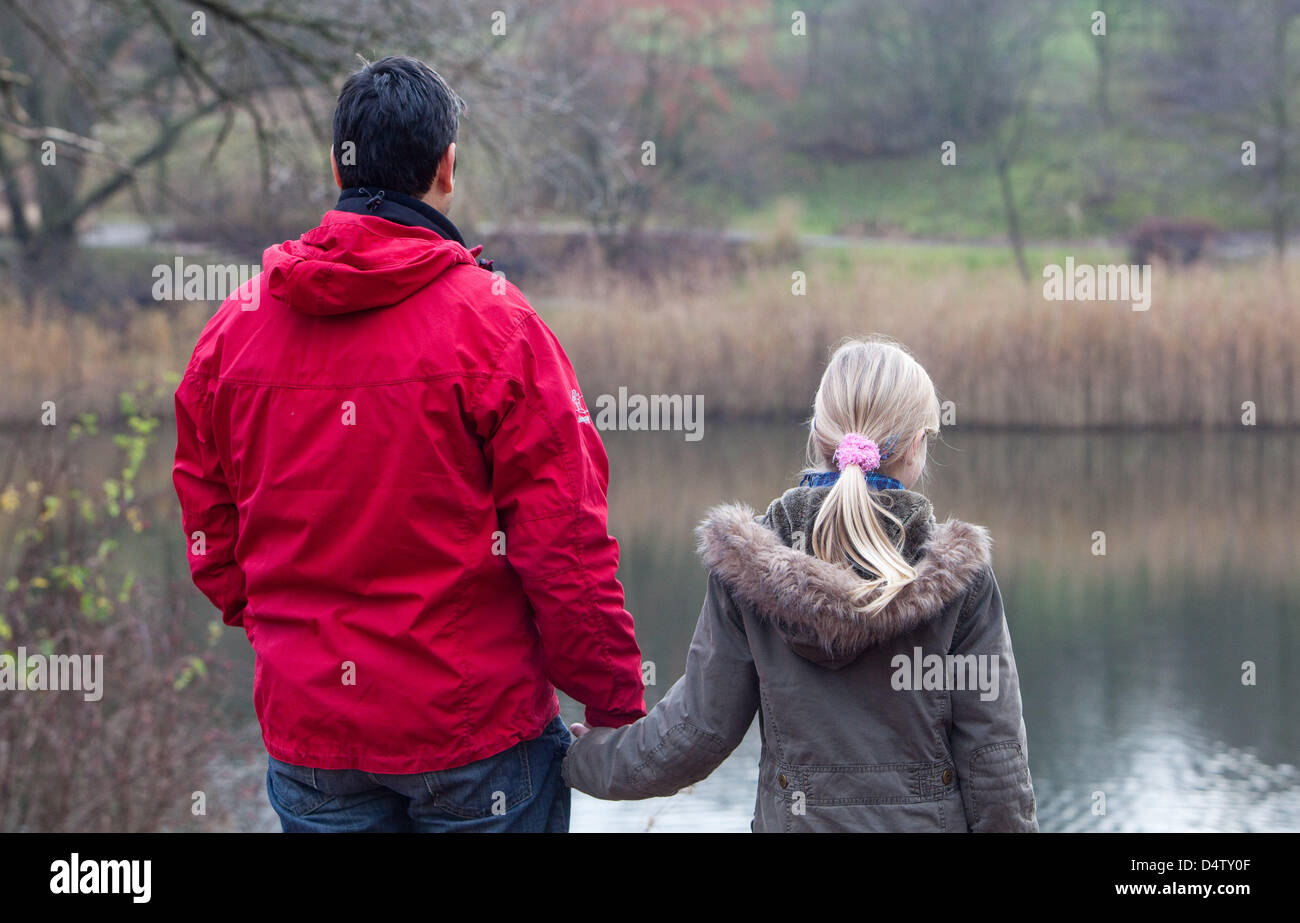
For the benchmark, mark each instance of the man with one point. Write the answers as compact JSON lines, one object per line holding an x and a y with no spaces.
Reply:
{"x":388,"y":478}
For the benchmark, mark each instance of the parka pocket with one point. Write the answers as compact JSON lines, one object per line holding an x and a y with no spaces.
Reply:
{"x":868,"y":783}
{"x":999,"y":789}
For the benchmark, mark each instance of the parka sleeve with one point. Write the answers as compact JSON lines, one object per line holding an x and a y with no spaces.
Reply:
{"x":989,"y":744}
{"x":696,"y":725}
{"x":549,"y":476}
{"x":208,"y":511}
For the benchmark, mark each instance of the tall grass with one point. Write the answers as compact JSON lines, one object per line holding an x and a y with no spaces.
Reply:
{"x":82,"y":362}
{"x":1212,"y":339}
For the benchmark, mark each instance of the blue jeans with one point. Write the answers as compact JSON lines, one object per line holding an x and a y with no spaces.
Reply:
{"x":516,"y":791}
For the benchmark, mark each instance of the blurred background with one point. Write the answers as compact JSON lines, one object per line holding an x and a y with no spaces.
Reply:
{"x":701,"y":197}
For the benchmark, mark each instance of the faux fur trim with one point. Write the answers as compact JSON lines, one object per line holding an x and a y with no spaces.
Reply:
{"x":810,"y":598}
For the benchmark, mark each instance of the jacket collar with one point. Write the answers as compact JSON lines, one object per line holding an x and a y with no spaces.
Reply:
{"x":398,"y":207}
{"x":810,"y":601}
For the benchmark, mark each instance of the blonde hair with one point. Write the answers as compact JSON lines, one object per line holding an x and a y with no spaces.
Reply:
{"x":872,"y":387}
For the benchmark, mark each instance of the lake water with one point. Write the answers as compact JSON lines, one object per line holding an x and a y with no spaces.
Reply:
{"x":1131,"y":662}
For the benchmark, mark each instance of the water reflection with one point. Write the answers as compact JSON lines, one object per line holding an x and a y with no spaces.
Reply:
{"x":1130,"y":663}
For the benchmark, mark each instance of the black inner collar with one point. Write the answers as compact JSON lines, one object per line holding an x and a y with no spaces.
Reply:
{"x":398,"y":207}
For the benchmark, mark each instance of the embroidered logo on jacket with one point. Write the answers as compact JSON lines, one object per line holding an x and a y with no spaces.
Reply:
{"x":579,"y":405}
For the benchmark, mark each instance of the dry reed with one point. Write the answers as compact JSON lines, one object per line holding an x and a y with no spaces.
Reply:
{"x":1212,"y":339}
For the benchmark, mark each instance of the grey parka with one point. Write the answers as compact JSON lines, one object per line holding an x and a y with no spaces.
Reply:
{"x":906,"y":721}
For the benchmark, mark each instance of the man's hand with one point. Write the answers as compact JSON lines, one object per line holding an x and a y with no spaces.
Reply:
{"x":578,"y":729}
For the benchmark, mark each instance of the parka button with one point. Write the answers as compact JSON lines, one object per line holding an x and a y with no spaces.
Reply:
{"x":947,"y":777}
{"x":782,"y":781}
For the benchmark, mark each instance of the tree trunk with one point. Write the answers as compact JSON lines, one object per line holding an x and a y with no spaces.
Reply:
{"x":1281,"y":127}
{"x":1103,"y":79}
{"x":1013,"y":216}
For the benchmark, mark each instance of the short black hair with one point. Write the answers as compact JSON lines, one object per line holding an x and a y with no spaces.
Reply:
{"x":400,"y":116}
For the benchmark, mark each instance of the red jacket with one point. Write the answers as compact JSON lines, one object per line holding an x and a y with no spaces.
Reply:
{"x":401,"y":497}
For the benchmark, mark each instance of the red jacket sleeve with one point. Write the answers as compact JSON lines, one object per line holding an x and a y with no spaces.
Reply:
{"x":207,"y":507}
{"x":549,"y":478}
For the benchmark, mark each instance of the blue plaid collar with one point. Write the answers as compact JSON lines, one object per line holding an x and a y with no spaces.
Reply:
{"x":827,"y":478}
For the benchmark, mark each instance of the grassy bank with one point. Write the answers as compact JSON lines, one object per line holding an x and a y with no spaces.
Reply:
{"x":82,"y":362}
{"x":1005,"y":356}
{"x":1212,"y":339}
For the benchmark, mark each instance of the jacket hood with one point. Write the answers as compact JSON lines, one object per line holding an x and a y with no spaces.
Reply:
{"x":810,"y":600}
{"x":355,"y":263}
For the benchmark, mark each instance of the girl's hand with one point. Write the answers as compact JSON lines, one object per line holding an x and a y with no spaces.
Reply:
{"x":578,"y":729}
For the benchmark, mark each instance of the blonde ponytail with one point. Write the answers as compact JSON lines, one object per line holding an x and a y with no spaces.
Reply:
{"x":872,"y":390}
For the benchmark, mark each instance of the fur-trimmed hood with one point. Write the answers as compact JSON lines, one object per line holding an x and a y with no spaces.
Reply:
{"x":761,"y":559}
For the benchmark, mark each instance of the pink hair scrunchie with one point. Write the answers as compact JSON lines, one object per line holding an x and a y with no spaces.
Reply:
{"x":855,"y":449}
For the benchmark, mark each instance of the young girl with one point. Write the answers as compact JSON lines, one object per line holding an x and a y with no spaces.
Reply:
{"x":870,"y":640}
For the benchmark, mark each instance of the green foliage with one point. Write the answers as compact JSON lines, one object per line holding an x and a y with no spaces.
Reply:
{"x":69,"y":585}
{"x":64,"y":570}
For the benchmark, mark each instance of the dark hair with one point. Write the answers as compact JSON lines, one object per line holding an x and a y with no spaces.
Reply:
{"x":400,"y":116}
